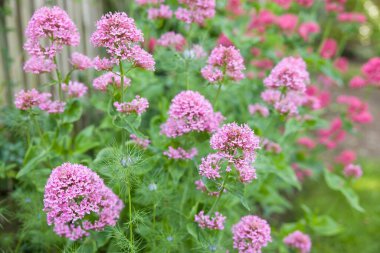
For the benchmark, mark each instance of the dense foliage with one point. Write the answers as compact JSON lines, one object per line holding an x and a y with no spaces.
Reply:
{"x":203,"y":122}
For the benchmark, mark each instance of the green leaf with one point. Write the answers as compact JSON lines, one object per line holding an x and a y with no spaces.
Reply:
{"x":192,"y":230}
{"x":324,"y":225}
{"x":85,"y":141}
{"x":33,"y":157}
{"x":73,"y":112}
{"x":337,"y":183}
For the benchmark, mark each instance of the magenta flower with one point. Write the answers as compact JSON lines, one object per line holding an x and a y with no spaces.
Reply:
{"x":283,"y":3}
{"x":329,"y":48}
{"x":146,"y":2}
{"x":196,"y":11}
{"x":306,"y":142}
{"x":173,"y":40}
{"x":180,"y":154}
{"x":39,"y":65}
{"x":352,"y":170}
{"x":210,"y":166}
{"x":205,"y":221}
{"x":73,"y":194}
{"x":335,"y":5}
{"x":298,"y":240}
{"x":305,"y":3}
{"x":53,"y":107}
{"x":346,"y":157}
{"x":190,"y":111}
{"x":51,"y":25}
{"x":25,"y":100}
{"x":262,"y":21}
{"x":371,"y":71}
{"x":75,"y":89}
{"x":352,"y":17}
{"x":224,"y":62}
{"x":80,"y":61}
{"x":141,"y":58}
{"x":138,"y":105}
{"x":103,"y":63}
{"x":271,"y":146}
{"x":308,"y":28}
{"x":287,"y":22}
{"x":251,"y":234}
{"x":357,"y":82}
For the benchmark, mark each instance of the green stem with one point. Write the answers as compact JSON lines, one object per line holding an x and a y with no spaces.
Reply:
{"x":326,"y":33}
{"x":122,"y":100}
{"x":154,"y":216}
{"x":219,"y":195}
{"x":59,"y":77}
{"x":37,"y":125}
{"x":130,"y":214}
{"x":217,"y":94}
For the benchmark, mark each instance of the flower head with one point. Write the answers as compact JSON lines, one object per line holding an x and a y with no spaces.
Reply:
{"x":205,"y":221}
{"x":371,"y":71}
{"x":298,"y":240}
{"x":138,"y":105}
{"x":190,"y":111}
{"x":102,"y":82}
{"x":329,"y":48}
{"x":74,"y":194}
{"x":352,"y":170}
{"x":195,"y":11}
{"x":143,"y":143}
{"x":162,"y":12}
{"x":48,"y":31}
{"x":181,"y":154}
{"x":308,"y":28}
{"x":172,"y":39}
{"x":80,"y":61}
{"x":25,"y":100}
{"x":251,"y":234}
{"x":75,"y":89}
{"x":39,"y":65}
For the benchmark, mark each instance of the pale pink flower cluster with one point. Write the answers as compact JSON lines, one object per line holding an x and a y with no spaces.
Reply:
{"x":371,"y":71}
{"x":205,"y":221}
{"x":75,"y":89}
{"x":335,"y":5}
{"x":180,"y":154}
{"x":289,"y":73}
{"x":235,"y":145}
{"x":198,"y":51}
{"x":51,"y":25}
{"x":173,"y":40}
{"x":138,"y":105}
{"x":162,"y":12}
{"x":39,"y":65}
{"x":298,"y":240}
{"x":72,"y":193}
{"x":258,"y":108}
{"x":224,"y":62}
{"x":25,"y":100}
{"x":195,"y":11}
{"x":357,"y":110}
{"x":352,"y":17}
{"x":118,"y":34}
{"x":102,"y":82}
{"x":251,"y":234}
{"x":144,"y":143}
{"x":329,"y":48}
{"x":80,"y":61}
{"x":352,"y":170}
{"x":287,"y":22}
{"x":286,"y":86}
{"x":333,"y":135}
{"x":190,"y":111}
{"x":271,"y":146}
{"x":103,"y":63}
{"x":308,"y":28}
{"x":306,"y":142}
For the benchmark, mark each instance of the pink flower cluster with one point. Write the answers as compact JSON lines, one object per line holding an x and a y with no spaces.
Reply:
{"x":341,"y":64}
{"x":180,"y":153}
{"x":190,"y":111}
{"x":260,"y":109}
{"x":261,"y":21}
{"x":371,"y":71}
{"x":289,"y":73}
{"x":75,"y":89}
{"x":251,"y":234}
{"x":346,"y":157}
{"x":283,"y":3}
{"x":329,"y":48}
{"x":118,"y":34}
{"x":287,"y":22}
{"x":196,"y":11}
{"x":162,"y":12}
{"x":73,"y":193}
{"x":39,"y":65}
{"x":173,"y":40}
{"x":202,"y":187}
{"x":102,"y":82}
{"x":298,"y":240}
{"x":138,"y":105}
{"x":286,"y":86}
{"x":80,"y":61}
{"x":357,"y":110}
{"x":335,"y":5}
{"x":103,"y":63}
{"x":357,"y":82}
{"x":352,"y":170}
{"x":144,"y":143}
{"x":235,"y":145}
{"x":352,"y":17}
{"x":51,"y":25}
{"x":333,"y":135}
{"x":25,"y":100}
{"x":205,"y":221}
{"x":308,"y":28}
{"x":306,"y":142}
{"x":224,"y":62}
